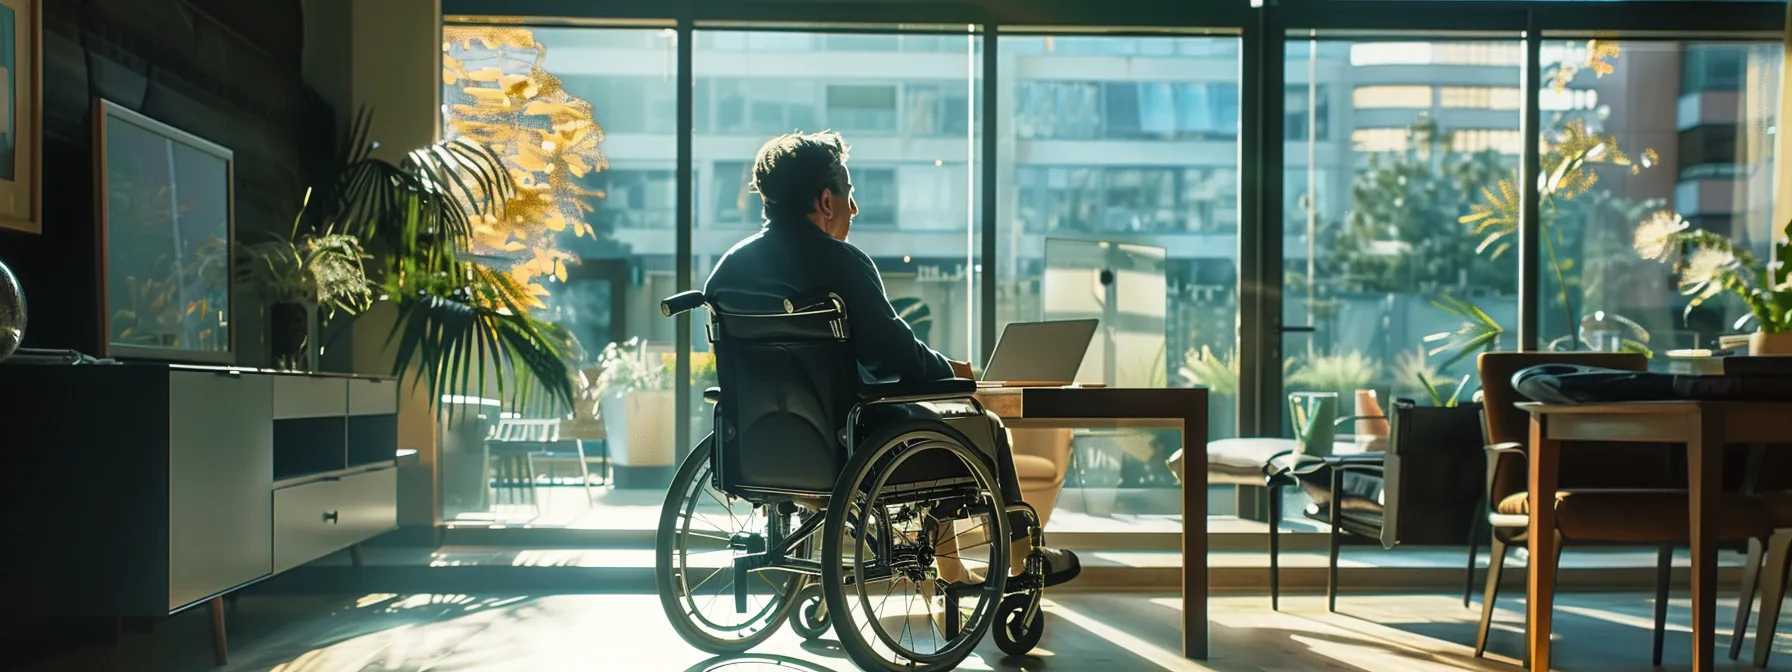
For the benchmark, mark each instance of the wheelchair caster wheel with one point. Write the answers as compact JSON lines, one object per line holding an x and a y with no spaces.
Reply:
{"x":1012,"y":637}
{"x":810,"y":621}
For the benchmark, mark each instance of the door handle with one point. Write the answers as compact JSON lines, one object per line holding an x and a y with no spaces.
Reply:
{"x":1298,"y":329}
{"x":332,"y":517}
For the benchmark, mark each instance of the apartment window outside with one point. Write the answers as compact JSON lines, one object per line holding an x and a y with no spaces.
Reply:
{"x":1502,"y":141}
{"x":1481,"y":97}
{"x":874,"y":189}
{"x":735,"y":202}
{"x":867,"y":108}
{"x":935,"y":110}
{"x":1300,"y":110}
{"x":1377,"y":97}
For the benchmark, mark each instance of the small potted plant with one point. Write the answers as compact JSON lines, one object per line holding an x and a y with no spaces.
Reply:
{"x":636,"y":406}
{"x":1710,"y":265}
{"x":299,"y":276}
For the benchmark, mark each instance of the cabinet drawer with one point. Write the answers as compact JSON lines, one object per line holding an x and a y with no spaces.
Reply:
{"x":316,"y":519}
{"x":367,"y":396}
{"x":309,"y":397}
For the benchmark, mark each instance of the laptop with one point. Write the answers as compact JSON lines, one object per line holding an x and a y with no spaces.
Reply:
{"x":1039,"y":354}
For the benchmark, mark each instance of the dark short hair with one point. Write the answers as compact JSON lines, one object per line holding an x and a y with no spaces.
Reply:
{"x":791,"y":171}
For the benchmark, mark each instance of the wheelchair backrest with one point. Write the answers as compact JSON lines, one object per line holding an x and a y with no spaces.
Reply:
{"x":788,"y":381}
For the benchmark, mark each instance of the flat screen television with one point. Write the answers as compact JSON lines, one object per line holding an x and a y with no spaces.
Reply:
{"x":166,"y":237}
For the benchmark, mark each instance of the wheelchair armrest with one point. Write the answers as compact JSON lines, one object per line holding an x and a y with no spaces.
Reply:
{"x":682,"y":302}
{"x":712,"y":395}
{"x":1292,"y":464}
{"x":919,"y":390}
{"x":1507,"y":447}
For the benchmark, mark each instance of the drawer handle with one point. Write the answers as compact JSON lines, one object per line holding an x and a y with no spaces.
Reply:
{"x":332,"y":517}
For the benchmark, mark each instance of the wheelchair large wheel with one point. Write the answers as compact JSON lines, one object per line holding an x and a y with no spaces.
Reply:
{"x":700,"y":530}
{"x":894,"y":548}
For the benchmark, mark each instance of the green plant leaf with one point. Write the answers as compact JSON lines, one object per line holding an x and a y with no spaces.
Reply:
{"x":452,"y":345}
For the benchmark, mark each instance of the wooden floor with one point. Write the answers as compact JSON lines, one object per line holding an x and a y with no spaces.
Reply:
{"x":1111,"y":632}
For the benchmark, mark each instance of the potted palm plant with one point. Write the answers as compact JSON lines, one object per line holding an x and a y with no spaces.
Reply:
{"x":299,"y":275}
{"x":463,"y":326}
{"x":1710,"y":265}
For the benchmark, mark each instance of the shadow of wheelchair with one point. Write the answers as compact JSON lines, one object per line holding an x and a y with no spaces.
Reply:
{"x":757,"y":662}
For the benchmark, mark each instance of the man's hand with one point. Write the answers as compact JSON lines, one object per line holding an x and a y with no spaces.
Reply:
{"x":962,"y":370}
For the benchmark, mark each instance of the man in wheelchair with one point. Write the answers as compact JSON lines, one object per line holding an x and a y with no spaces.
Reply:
{"x":805,"y":186}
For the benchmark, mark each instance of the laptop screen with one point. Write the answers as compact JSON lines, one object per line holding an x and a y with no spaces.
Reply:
{"x":1040,"y":352}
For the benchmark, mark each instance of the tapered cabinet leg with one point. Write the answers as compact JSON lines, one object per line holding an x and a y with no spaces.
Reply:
{"x":220,"y":643}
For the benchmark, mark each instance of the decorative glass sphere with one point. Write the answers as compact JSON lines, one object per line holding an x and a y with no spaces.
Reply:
{"x":12,"y":312}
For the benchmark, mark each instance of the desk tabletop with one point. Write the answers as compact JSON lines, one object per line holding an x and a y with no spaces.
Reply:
{"x":1653,"y":407}
{"x":1164,"y":405}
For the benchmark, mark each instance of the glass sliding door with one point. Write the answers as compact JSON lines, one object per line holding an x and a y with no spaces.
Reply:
{"x":602,"y":263}
{"x":1117,"y":191}
{"x":1388,"y":147}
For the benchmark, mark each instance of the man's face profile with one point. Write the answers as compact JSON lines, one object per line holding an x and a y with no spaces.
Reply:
{"x":834,"y":212}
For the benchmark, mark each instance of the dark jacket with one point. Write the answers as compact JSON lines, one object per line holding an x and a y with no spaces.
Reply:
{"x":788,"y":259}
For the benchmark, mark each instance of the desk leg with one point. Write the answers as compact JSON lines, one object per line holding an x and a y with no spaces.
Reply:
{"x":1540,"y":589}
{"x":1704,"y":481}
{"x":1194,"y":536}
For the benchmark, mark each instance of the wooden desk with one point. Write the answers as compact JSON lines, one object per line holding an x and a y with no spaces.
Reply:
{"x":1183,"y":409}
{"x":1705,"y":428}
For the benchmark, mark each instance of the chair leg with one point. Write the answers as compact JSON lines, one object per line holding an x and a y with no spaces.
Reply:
{"x":1745,"y":600}
{"x":1474,"y":546}
{"x":1664,"y":571}
{"x":1773,"y":591}
{"x":1331,"y":580}
{"x":584,"y":471}
{"x":1496,"y":565}
{"x":1275,"y":546}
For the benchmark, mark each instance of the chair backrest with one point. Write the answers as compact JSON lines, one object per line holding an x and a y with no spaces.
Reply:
{"x":1315,"y":419}
{"x":1434,"y":473}
{"x":1589,"y":464}
{"x":788,"y":380}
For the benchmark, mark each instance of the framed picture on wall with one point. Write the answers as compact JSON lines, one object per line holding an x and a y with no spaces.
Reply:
{"x":21,"y":129}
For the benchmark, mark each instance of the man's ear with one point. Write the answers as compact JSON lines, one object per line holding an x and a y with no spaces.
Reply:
{"x":825,"y":204}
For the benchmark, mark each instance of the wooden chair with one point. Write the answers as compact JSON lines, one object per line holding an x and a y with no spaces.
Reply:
{"x":1611,"y":493}
{"x":1767,"y":471}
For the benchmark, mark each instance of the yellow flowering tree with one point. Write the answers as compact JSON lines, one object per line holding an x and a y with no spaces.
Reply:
{"x":498,"y":94}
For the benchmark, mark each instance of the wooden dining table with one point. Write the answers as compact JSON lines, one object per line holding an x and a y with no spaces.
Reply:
{"x":1182,"y":409}
{"x":1705,"y":427}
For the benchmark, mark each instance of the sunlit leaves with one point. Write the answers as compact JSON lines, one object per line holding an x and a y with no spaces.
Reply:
{"x":1478,"y":332}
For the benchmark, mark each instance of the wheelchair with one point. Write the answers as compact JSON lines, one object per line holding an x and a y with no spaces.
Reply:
{"x":894,"y":533}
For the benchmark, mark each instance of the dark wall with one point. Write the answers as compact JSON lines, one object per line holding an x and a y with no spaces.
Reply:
{"x":225,"y":70}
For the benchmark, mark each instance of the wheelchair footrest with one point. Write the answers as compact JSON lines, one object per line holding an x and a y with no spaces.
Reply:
{"x":1026,"y":582}
{"x":740,"y":587}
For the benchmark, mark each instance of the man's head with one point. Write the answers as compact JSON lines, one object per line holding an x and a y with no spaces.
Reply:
{"x":804,"y":176}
